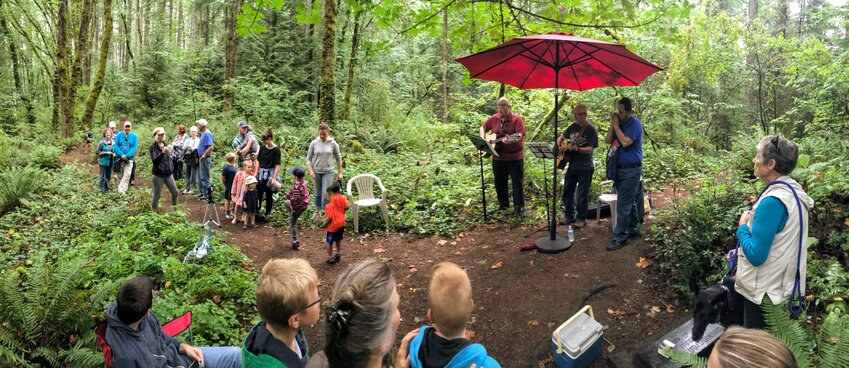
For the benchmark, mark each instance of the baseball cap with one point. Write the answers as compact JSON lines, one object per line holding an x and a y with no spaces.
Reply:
{"x":250,"y":180}
{"x":298,"y":171}
{"x":158,"y":130}
{"x":201,"y":122}
{"x":128,"y":124}
{"x":112,"y":124}
{"x":243,"y":124}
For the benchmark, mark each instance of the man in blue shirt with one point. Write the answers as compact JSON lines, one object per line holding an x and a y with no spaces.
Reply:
{"x":205,"y":147}
{"x":625,"y":137}
{"x":126,"y":144}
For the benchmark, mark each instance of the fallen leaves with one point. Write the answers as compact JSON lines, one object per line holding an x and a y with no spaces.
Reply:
{"x":442,"y":242}
{"x":643,"y":263}
{"x":497,"y":265}
{"x":846,"y":222}
{"x":533,"y":322}
{"x":379,"y":250}
{"x":616,"y":313}
{"x":653,"y":311}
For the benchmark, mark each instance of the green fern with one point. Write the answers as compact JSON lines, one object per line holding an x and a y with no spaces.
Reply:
{"x":794,"y":333}
{"x":685,"y":358}
{"x":51,"y":313}
{"x":834,"y":341}
{"x":18,"y":183}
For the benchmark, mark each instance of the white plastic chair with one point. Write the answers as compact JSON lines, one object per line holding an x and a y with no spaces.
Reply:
{"x":365,"y":193}
{"x":610,"y":199}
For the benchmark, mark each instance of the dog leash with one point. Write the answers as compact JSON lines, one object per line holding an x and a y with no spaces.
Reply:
{"x":797,"y":287}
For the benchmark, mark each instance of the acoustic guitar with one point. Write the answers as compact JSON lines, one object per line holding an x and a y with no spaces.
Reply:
{"x":564,"y":155}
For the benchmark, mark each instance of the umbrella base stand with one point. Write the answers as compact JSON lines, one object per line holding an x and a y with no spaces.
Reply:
{"x":546,"y":245}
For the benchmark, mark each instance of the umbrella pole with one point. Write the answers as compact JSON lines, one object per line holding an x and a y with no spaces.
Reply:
{"x":553,"y":215}
{"x":554,"y":243}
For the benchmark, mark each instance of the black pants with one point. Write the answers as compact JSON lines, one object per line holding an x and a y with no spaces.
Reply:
{"x":178,"y":169}
{"x":515,"y":170}
{"x":753,"y":315}
{"x":133,"y":175}
{"x":264,"y":191}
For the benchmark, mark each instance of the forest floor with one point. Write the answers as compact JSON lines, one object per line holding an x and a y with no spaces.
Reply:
{"x":520,"y":297}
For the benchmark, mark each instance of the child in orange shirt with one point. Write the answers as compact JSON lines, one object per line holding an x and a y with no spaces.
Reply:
{"x":334,"y":220}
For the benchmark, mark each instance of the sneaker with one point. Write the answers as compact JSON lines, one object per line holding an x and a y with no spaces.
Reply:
{"x":579,"y":224}
{"x":254,"y":226}
{"x":244,"y":226}
{"x":615,"y":244}
{"x":296,"y":245}
{"x":337,"y":258}
{"x":636,"y":234}
{"x":331,"y":260}
{"x":229,"y":215}
{"x":520,"y":212}
{"x":566,"y":221}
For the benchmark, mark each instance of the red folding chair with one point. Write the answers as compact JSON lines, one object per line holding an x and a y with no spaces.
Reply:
{"x":171,"y":328}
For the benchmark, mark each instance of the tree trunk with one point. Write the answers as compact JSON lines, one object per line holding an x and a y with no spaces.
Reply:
{"x":205,"y":25}
{"x":193,"y":25}
{"x":128,"y":29}
{"x":445,"y":65}
{"x":62,"y":77}
{"x":753,"y":12}
{"x":549,"y":117}
{"x":352,"y":64}
{"x":180,"y":24}
{"x":327,"y":86}
{"x":783,"y":17}
{"x":91,"y":102}
{"x":231,"y":48}
{"x":309,"y":34}
{"x":80,"y":51}
{"x":16,"y":76}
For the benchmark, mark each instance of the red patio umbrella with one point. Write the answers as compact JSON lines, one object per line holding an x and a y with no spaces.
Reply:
{"x":557,"y":60}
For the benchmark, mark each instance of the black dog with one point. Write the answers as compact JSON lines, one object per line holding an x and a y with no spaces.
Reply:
{"x":718,"y":303}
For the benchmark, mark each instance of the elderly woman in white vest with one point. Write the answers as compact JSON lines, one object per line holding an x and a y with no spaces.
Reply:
{"x":773,"y":235}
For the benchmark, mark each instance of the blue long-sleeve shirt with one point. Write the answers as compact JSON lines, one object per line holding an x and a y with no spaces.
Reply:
{"x":126,"y":145}
{"x":770,"y":218}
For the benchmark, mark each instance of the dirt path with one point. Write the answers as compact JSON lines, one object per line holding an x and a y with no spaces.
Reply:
{"x":520,"y":297}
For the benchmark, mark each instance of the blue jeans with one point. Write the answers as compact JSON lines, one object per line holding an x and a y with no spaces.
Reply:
{"x":203,"y":176}
{"x":222,"y":357}
{"x":105,"y":176}
{"x":628,"y":189}
{"x":321,"y":182}
{"x":582,"y":179}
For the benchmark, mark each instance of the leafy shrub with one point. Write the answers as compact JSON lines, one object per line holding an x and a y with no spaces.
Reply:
{"x":45,"y":157}
{"x":17,"y":184}
{"x":691,"y":237}
{"x":46,"y":312}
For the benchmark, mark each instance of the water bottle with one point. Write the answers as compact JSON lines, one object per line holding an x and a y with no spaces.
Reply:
{"x":571,"y":234}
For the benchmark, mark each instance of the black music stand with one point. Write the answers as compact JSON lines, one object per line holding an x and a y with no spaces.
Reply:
{"x":555,"y":243}
{"x":484,"y":148}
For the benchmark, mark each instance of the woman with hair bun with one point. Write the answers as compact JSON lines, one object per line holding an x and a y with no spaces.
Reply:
{"x":362,"y":320}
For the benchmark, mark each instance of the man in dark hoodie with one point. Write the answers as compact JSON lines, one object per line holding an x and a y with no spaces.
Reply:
{"x":137,"y":340}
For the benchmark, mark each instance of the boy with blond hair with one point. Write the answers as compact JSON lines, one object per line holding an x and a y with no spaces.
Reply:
{"x":228,"y":174}
{"x":287,"y":300}
{"x":445,"y":345}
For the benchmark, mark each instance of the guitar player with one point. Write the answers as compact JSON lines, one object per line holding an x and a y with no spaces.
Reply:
{"x":509,"y":131}
{"x":578,"y":141}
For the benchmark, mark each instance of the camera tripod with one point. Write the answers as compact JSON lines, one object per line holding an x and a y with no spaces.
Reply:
{"x":207,"y":214}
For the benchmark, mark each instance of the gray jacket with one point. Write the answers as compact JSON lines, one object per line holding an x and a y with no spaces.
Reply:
{"x":148,"y":347}
{"x":323,"y":155}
